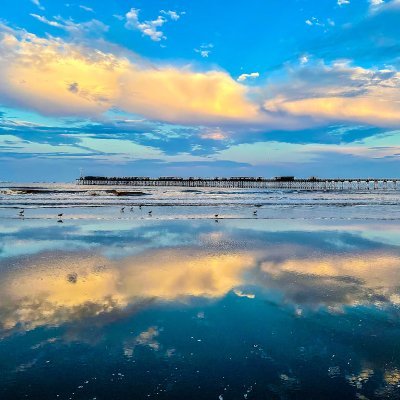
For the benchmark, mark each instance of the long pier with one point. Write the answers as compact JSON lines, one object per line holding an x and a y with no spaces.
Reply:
{"x":312,"y":183}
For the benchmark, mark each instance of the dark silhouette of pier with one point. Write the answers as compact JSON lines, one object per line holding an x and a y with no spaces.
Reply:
{"x":281,"y":182}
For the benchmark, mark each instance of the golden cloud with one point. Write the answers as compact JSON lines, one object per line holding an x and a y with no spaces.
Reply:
{"x":339,"y":92}
{"x":378,"y":107}
{"x":57,"y":78}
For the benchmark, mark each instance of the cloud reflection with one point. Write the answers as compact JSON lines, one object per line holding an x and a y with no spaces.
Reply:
{"x":52,"y":288}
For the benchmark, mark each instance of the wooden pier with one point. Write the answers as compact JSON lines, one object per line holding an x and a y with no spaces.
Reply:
{"x":248,"y":182}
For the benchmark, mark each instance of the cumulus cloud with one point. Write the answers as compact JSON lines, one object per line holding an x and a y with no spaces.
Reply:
{"x":59,"y":78}
{"x":340,"y":92}
{"x":39,"y":74}
{"x":172,"y":14}
{"x":252,"y":75}
{"x":150,"y":28}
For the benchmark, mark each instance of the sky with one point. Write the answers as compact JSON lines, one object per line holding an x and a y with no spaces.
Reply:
{"x":199,"y":88}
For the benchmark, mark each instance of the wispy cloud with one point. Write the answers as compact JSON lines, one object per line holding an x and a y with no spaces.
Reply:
{"x":37,"y":3}
{"x":376,"y":2}
{"x":382,"y":5}
{"x":46,"y":21}
{"x":92,"y":27}
{"x":88,"y":9}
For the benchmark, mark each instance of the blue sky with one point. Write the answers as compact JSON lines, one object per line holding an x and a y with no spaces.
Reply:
{"x":204,"y":88}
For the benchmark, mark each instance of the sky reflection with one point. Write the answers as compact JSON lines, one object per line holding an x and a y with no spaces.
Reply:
{"x":167,"y":309}
{"x":332,"y":270}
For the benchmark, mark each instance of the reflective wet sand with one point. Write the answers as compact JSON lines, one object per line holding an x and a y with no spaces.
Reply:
{"x":177,"y":309}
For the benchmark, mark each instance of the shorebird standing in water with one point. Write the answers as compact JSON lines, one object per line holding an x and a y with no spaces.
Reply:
{"x":150,"y":212}
{"x":255,"y":212}
{"x":60,"y":215}
{"x":131,"y":209}
{"x":140,"y":206}
{"x":216,"y":215}
{"x":122,"y":209}
{"x":21,"y":213}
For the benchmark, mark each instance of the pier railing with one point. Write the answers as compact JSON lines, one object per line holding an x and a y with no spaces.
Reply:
{"x":249,"y":182}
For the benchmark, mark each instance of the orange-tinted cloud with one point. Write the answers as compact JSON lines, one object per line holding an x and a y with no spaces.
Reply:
{"x":63,"y":79}
{"x":59,"y":78}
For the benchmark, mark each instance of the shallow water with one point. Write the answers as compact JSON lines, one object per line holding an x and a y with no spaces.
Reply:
{"x":299,"y":301}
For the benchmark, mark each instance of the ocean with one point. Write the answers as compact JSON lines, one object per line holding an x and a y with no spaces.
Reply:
{"x":177,"y":293}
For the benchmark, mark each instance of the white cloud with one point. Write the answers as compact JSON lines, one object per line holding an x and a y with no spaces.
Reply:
{"x":152,"y":28}
{"x":342,"y":2}
{"x":93,"y":26}
{"x":148,"y":28}
{"x":172,"y":14}
{"x":376,"y":2}
{"x":37,"y":3}
{"x":313,"y":21}
{"x":304,"y":59}
{"x":382,"y":5}
{"x":46,"y":21}
{"x":88,"y":9}
{"x":204,"y":50}
{"x":243,"y":77}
